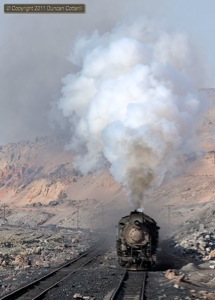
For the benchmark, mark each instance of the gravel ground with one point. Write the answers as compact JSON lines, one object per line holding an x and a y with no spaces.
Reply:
{"x":95,"y":281}
{"x":28,"y":253}
{"x":100,"y":278}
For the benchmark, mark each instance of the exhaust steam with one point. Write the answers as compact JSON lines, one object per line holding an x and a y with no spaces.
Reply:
{"x":133,"y":104}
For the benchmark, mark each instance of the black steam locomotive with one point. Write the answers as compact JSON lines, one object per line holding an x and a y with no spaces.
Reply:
{"x":137,"y":241}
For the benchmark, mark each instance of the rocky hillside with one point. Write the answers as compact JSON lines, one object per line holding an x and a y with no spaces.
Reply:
{"x":39,"y":185}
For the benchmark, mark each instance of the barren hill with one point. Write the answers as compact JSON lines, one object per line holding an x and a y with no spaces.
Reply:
{"x":39,"y":185}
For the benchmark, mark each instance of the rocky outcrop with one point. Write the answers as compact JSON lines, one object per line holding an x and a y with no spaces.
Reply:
{"x":197,"y":244}
{"x":36,"y":170}
{"x":196,"y":238}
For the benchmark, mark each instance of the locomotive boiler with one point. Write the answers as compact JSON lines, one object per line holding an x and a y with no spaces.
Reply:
{"x":137,"y":241}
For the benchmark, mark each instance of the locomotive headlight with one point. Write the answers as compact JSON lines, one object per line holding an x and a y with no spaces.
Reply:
{"x":137,"y":223}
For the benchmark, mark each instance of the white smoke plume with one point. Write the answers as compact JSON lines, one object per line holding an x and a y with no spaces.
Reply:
{"x":132,"y":103}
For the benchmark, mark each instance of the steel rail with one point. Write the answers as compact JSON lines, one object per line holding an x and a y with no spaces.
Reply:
{"x":24,"y":289}
{"x":128,"y":287}
{"x":119,"y":287}
{"x":143,"y":289}
{"x":41,"y":295}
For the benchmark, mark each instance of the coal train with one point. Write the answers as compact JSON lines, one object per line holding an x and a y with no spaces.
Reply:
{"x":137,"y":241}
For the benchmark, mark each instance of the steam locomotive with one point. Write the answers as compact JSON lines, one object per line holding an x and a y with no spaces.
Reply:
{"x":137,"y":241}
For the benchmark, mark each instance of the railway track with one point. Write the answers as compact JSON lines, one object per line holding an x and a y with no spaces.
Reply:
{"x":37,"y":289}
{"x":131,"y":286}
